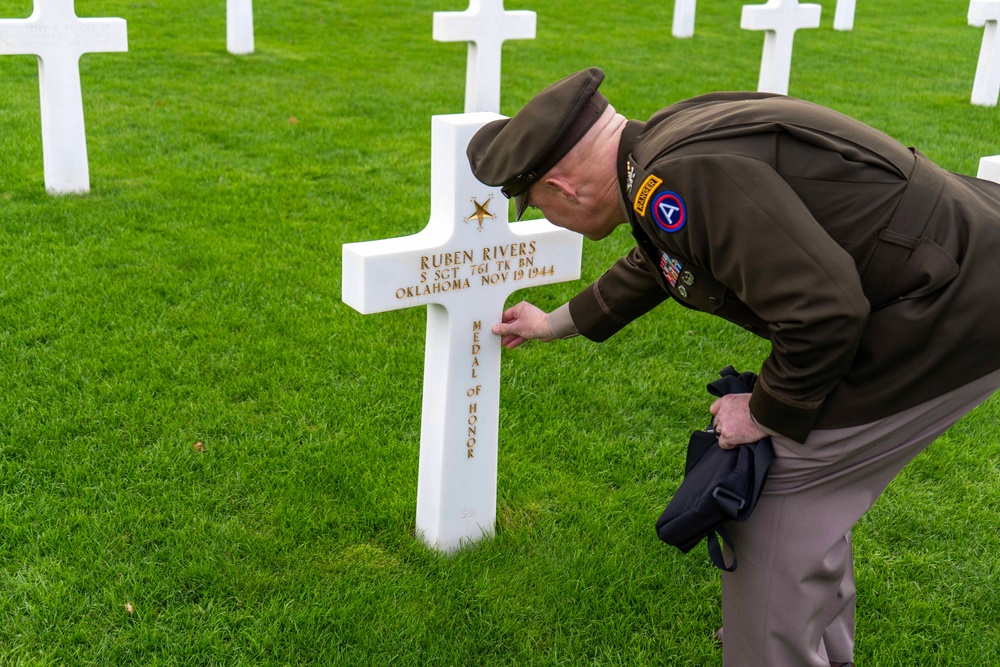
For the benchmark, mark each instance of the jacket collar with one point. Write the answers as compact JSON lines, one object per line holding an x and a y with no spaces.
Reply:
{"x":626,"y":170}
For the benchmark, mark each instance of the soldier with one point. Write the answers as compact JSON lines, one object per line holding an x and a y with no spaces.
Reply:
{"x":871,"y":270}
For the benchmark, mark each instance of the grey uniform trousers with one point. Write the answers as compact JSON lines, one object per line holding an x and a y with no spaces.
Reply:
{"x":790,"y":602}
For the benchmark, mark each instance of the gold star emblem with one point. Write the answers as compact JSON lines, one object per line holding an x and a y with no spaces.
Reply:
{"x":482,"y":212}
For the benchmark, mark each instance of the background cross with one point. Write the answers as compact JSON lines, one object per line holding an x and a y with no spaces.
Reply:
{"x":986,"y":87}
{"x":239,"y":27}
{"x":780,"y":18}
{"x":55,"y":34}
{"x":485,"y":26}
{"x":684,"y":13}
{"x":843,"y":17}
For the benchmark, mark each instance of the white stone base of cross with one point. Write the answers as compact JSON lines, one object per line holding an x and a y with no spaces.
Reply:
{"x":58,"y":38}
{"x":986,"y":87}
{"x":843,"y":18}
{"x":462,"y":266}
{"x":780,"y":18}
{"x":989,"y":168}
{"x":684,"y":11}
{"x":239,"y":27}
{"x":485,"y":26}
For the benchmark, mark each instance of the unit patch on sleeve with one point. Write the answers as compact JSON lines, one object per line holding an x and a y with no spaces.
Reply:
{"x":647,"y":188}
{"x":670,"y":268}
{"x":669,"y":211}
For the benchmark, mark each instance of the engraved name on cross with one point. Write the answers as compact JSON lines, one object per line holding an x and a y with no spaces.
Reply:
{"x":485,"y":26}
{"x":986,"y":87}
{"x":780,"y":18}
{"x":462,"y":266}
{"x":239,"y":27}
{"x":58,"y":37}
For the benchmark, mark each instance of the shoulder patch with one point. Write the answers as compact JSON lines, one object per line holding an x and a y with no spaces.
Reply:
{"x":669,"y":211}
{"x":647,"y":188}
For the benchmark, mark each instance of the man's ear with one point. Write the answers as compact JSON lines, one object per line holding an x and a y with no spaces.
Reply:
{"x":563,"y":187}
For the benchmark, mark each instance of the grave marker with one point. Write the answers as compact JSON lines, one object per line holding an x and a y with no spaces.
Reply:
{"x":986,"y":87}
{"x":59,"y":38}
{"x":989,"y":168}
{"x":485,"y":25}
{"x":780,"y":18}
{"x":239,"y":27}
{"x":684,"y":11}
{"x":462,"y":266}
{"x":843,"y":18}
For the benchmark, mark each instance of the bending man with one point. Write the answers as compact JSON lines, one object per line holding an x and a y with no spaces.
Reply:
{"x":872,"y":272}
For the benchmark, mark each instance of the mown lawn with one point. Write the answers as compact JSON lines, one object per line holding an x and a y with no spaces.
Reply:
{"x":206,"y":458}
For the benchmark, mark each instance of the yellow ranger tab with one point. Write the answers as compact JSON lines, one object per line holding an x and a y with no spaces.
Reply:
{"x":645,"y":190}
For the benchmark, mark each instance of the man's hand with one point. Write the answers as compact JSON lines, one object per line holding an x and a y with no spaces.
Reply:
{"x":733,"y":423}
{"x":522,"y":323}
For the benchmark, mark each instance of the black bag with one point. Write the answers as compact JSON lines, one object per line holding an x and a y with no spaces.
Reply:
{"x":720,"y":485}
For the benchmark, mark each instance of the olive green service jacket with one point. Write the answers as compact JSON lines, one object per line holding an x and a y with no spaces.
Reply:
{"x":874,"y":273}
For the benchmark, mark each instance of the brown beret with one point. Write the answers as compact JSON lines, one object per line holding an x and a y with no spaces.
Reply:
{"x":515,"y":152}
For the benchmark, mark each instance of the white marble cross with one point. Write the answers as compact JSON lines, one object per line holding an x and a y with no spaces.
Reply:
{"x":684,"y":11}
{"x":462,"y":266}
{"x":55,"y":34}
{"x":485,"y":25}
{"x":843,"y":18}
{"x":780,"y":18}
{"x":989,"y":168}
{"x":239,"y":27}
{"x":986,"y":87}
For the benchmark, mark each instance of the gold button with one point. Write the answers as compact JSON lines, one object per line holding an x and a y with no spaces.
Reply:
{"x":687,"y":278}
{"x":682,"y":291}
{"x":713,"y":299}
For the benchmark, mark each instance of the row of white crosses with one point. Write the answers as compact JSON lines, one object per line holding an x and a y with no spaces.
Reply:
{"x":463,"y":266}
{"x":684,"y":15}
{"x":782,"y":18}
{"x":58,"y":38}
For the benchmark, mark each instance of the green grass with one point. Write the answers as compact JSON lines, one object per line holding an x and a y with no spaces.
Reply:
{"x":194,"y":296}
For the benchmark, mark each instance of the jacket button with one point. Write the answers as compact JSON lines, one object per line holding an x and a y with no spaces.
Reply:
{"x":682,"y":291}
{"x":713,"y":299}
{"x":687,"y":278}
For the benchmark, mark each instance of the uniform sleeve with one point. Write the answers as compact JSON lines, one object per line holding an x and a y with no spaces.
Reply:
{"x":626,"y":291}
{"x":561,"y":322}
{"x":738,"y":219}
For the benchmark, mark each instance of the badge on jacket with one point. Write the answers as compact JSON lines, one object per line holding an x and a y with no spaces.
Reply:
{"x":669,"y":211}
{"x":647,"y":188}
{"x":670,"y":268}
{"x":667,"y":208}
